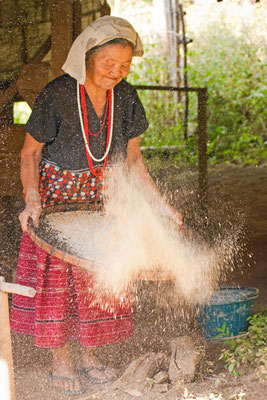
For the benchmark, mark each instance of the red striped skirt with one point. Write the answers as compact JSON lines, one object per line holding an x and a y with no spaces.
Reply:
{"x":66,"y":306}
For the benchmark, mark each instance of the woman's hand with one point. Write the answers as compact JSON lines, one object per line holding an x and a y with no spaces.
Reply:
{"x":32,"y":210}
{"x":175,"y":216}
{"x":135,"y":160}
{"x":29,"y":172}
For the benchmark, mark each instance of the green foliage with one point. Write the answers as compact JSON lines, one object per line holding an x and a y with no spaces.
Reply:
{"x":21,"y":112}
{"x":151,"y":68}
{"x":234,"y":74}
{"x":246,"y":148}
{"x":164,"y":109}
{"x":224,"y":331}
{"x":249,"y":350}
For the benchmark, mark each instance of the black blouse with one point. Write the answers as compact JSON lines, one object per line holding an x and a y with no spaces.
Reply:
{"x":55,"y":122}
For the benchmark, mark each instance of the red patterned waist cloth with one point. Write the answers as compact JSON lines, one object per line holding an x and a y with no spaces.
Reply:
{"x":58,"y":186}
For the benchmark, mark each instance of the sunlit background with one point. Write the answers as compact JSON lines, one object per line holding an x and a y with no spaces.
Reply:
{"x":21,"y":112}
{"x":226,"y":52}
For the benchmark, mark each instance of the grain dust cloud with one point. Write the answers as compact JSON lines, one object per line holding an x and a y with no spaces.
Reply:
{"x":135,"y":237}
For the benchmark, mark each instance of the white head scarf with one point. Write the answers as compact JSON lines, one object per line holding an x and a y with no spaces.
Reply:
{"x":99,"y":32}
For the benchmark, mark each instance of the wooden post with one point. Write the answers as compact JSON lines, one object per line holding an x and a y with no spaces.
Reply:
{"x":7,"y":387}
{"x":6,"y":359}
{"x":62,"y":33}
{"x":105,"y":9}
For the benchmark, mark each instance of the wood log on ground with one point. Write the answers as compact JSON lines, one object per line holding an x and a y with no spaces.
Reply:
{"x":162,"y":388}
{"x":161,"y":377}
{"x":184,"y":360}
{"x":140,"y":371}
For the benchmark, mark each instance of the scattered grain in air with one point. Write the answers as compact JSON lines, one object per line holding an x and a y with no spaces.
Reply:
{"x":135,"y":238}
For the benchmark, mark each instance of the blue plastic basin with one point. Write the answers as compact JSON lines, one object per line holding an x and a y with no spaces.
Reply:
{"x":229,"y":305}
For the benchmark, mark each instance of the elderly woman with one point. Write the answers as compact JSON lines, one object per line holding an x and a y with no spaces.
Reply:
{"x":82,"y":121}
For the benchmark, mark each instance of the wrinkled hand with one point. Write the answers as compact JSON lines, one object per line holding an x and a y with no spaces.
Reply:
{"x":32,"y":210}
{"x":178,"y":220}
{"x":175,"y":216}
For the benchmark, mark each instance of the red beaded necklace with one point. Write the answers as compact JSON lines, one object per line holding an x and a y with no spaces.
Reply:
{"x":87,"y":133}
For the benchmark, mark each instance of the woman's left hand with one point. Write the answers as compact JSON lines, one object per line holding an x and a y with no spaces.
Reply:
{"x":176,"y":216}
{"x":178,"y":220}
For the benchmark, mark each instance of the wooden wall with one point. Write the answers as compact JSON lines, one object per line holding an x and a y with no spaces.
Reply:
{"x":25,"y":25}
{"x":35,"y":36}
{"x":11,"y":139}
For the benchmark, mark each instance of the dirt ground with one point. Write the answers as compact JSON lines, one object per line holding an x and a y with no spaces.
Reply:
{"x":233,"y":191}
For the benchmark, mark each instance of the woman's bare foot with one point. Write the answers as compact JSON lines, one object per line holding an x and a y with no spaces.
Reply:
{"x":63,"y":368}
{"x":96,"y":371}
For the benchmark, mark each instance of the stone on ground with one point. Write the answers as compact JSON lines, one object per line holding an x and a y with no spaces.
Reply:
{"x":184,"y":360}
{"x":140,"y":371}
{"x":161,"y":377}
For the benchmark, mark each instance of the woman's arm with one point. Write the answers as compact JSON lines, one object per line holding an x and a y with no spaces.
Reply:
{"x":29,"y":174}
{"x":135,"y":160}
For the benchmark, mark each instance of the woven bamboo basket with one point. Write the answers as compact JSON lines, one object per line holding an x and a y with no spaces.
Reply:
{"x":44,"y":238}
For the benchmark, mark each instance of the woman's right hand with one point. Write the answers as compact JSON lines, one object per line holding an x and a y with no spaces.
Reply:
{"x":32,"y":210}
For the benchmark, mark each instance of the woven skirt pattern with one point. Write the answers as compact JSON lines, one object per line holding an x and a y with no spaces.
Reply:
{"x":67,"y":305}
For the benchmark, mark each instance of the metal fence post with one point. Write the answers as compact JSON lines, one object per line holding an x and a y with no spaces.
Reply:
{"x":202,"y":96}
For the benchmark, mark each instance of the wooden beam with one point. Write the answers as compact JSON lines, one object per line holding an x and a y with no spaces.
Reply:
{"x":32,"y":79}
{"x":77,"y":19}
{"x":42,"y":51}
{"x":62,"y":33}
{"x":7,"y":94}
{"x":10,"y":92}
{"x":105,"y":9}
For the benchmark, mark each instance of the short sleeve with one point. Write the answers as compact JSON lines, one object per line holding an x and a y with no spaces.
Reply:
{"x":44,"y":123}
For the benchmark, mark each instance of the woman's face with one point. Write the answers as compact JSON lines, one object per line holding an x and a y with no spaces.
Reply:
{"x":108,"y":66}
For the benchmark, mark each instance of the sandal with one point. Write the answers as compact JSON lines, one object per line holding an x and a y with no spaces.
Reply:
{"x":92,"y":378}
{"x":62,"y":390}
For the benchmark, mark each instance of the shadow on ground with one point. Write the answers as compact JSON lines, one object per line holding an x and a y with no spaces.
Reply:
{"x":233,"y":191}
